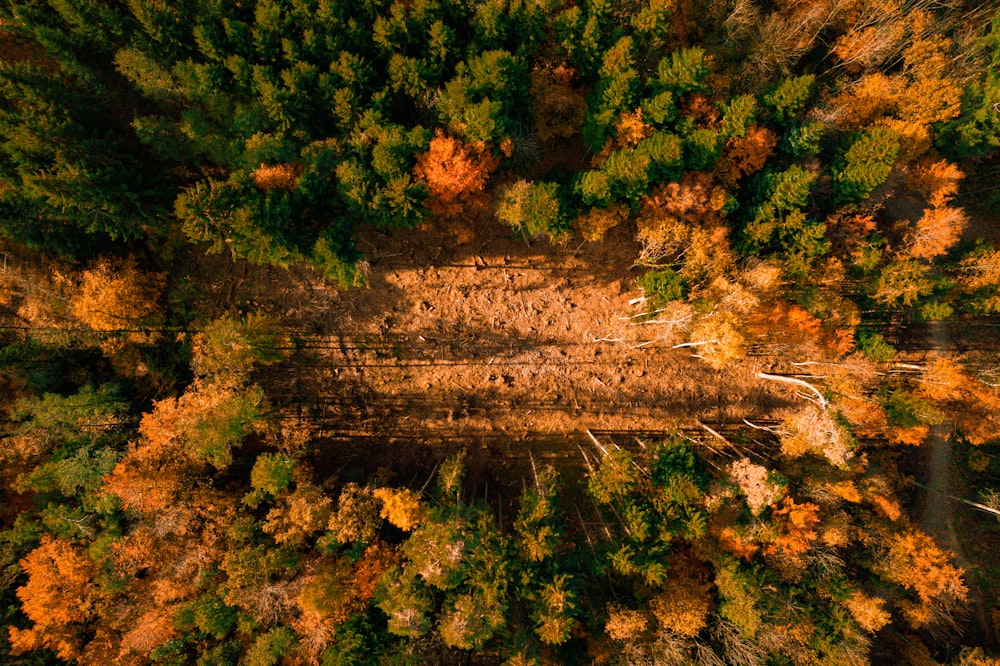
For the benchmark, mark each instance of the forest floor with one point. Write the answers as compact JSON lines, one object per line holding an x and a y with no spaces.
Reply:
{"x":489,"y":342}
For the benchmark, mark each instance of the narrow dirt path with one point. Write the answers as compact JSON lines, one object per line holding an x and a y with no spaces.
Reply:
{"x":938,"y":517}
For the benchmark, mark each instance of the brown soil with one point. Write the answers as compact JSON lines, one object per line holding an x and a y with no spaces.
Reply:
{"x":491,"y":338}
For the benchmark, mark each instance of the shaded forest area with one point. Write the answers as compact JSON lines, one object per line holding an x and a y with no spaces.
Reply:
{"x":499,"y":332}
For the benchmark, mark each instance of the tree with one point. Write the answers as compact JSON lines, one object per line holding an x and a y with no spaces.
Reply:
{"x":455,"y":173}
{"x":866,"y":164}
{"x":558,"y":106}
{"x":937,"y":230}
{"x":745,"y":155}
{"x":787,"y":99}
{"x":357,"y":515}
{"x":683,"y":223}
{"x":916,"y":563}
{"x":114,"y":296}
{"x":58,"y":598}
{"x":227,"y":349}
{"x":683,"y":71}
{"x":757,"y":484}
{"x":532,"y":208}
{"x":902,"y":282}
{"x":401,"y":507}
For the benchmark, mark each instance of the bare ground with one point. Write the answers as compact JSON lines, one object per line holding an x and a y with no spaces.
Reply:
{"x":488,"y":338}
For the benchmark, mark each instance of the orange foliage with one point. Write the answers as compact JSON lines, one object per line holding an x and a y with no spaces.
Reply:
{"x":152,"y":629}
{"x":276,"y":176}
{"x":870,"y":98}
{"x":797,"y":523}
{"x":735,"y":544}
{"x":630,"y":129}
{"x":917,"y":563}
{"x":117,"y":295}
{"x":401,"y":507}
{"x":745,"y":155}
{"x":795,"y":318}
{"x":934,"y":180}
{"x":684,"y":220}
{"x":913,"y":436}
{"x":849,"y":232}
{"x":593,"y":224}
{"x":558,"y":107}
{"x":868,"y":612}
{"x":935,"y":233}
{"x":887,"y":508}
{"x":135,"y":552}
{"x":943,"y":381}
{"x":701,"y":110}
{"x":454,"y":172}
{"x":864,"y":47}
{"x":378,"y":558}
{"x":625,"y":623}
{"x":56,"y":596}
{"x":845,"y":490}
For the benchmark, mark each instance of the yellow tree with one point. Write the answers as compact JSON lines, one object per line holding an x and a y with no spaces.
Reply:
{"x":117,"y":295}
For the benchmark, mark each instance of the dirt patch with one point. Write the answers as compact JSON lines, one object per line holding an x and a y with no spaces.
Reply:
{"x":494,"y":340}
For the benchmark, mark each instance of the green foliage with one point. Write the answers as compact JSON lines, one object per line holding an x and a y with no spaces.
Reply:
{"x":935,"y":311}
{"x":865,"y":164}
{"x":82,"y":417}
{"x":218,"y":428}
{"x":902,"y":282}
{"x":659,"y":109}
{"x":616,"y":92}
{"x":875,"y":347}
{"x":701,"y":149}
{"x":677,"y":457}
{"x":739,"y":598}
{"x":76,"y":475}
{"x":482,"y":102}
{"x":208,"y":615}
{"x":272,"y":472}
{"x":975,"y":133}
{"x":537,"y":525}
{"x":738,"y":114}
{"x":661,"y":287}
{"x":804,"y":139}
{"x":405,"y":602}
{"x":533,"y":208}
{"x":907,"y":410}
{"x":787,"y":99}
{"x":228,"y":349}
{"x":616,"y":477}
{"x":683,"y":71}
{"x":662,"y":151}
{"x":270,"y":647}
{"x":777,"y":223}
{"x":553,"y":611}
{"x":627,"y":173}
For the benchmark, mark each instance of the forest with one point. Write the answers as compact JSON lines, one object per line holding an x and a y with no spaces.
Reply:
{"x":499,"y":332}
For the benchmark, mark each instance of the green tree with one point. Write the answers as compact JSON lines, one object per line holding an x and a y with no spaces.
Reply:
{"x":533,"y":208}
{"x":787,"y":99}
{"x":865,"y":164}
{"x":683,"y":71}
{"x":270,"y":647}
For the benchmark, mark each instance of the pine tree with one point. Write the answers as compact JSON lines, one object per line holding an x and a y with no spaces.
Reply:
{"x":865,"y":164}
